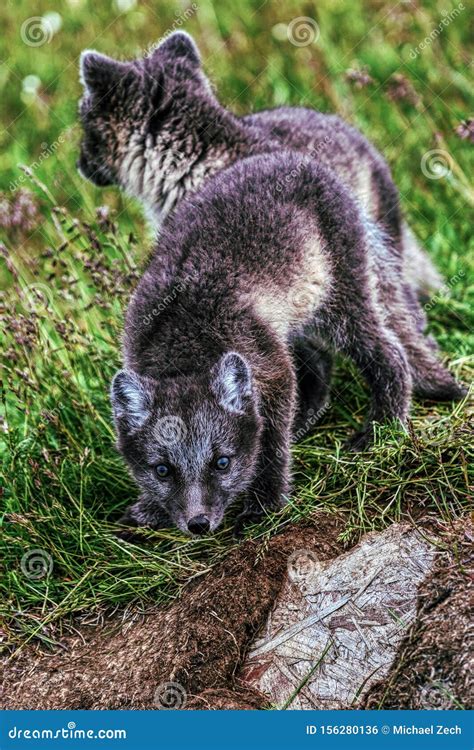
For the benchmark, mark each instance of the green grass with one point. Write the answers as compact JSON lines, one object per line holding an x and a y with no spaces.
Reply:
{"x":66,"y":283}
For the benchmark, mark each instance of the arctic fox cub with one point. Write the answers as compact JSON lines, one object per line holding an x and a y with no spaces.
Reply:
{"x":205,"y":406}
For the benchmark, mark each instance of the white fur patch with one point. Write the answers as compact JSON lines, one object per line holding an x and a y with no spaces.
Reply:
{"x":365,"y":193}
{"x":130,"y":399}
{"x":132,"y":170}
{"x":233,"y":383}
{"x":159,"y":176}
{"x":290,"y":309}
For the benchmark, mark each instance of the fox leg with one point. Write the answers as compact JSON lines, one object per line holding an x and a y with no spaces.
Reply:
{"x":313,"y":365}
{"x":270,"y":488}
{"x":384,"y":365}
{"x":358,"y":331}
{"x":431,"y":380}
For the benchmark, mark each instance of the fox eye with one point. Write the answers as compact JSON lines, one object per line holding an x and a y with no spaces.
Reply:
{"x":162,"y":471}
{"x":222,"y":463}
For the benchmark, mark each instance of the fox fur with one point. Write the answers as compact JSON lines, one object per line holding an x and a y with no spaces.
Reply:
{"x":245,"y":269}
{"x":154,"y":127}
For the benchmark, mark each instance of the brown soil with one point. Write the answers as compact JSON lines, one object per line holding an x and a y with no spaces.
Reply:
{"x":197,"y":643}
{"x":434,"y":666}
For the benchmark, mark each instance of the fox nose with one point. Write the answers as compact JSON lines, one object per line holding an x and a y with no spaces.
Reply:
{"x":199,"y":525}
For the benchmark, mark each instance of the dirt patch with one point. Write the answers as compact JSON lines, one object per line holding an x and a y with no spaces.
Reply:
{"x":434,"y":666}
{"x":185,"y":655}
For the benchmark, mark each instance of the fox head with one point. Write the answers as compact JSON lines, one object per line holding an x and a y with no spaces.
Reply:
{"x":144,"y":120}
{"x":192,"y":443}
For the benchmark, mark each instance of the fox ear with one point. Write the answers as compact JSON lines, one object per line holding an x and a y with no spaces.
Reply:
{"x":132,"y":399}
{"x":232,"y":382}
{"x":180,"y":44}
{"x":100,"y":73}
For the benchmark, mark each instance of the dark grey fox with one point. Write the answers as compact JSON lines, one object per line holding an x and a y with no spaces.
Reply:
{"x":205,"y":406}
{"x":154,"y":127}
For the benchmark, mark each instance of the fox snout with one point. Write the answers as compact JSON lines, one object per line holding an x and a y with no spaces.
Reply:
{"x":199,"y":525}
{"x":196,"y":513}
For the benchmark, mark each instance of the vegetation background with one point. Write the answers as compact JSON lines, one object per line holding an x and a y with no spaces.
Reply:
{"x":70,"y":253}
